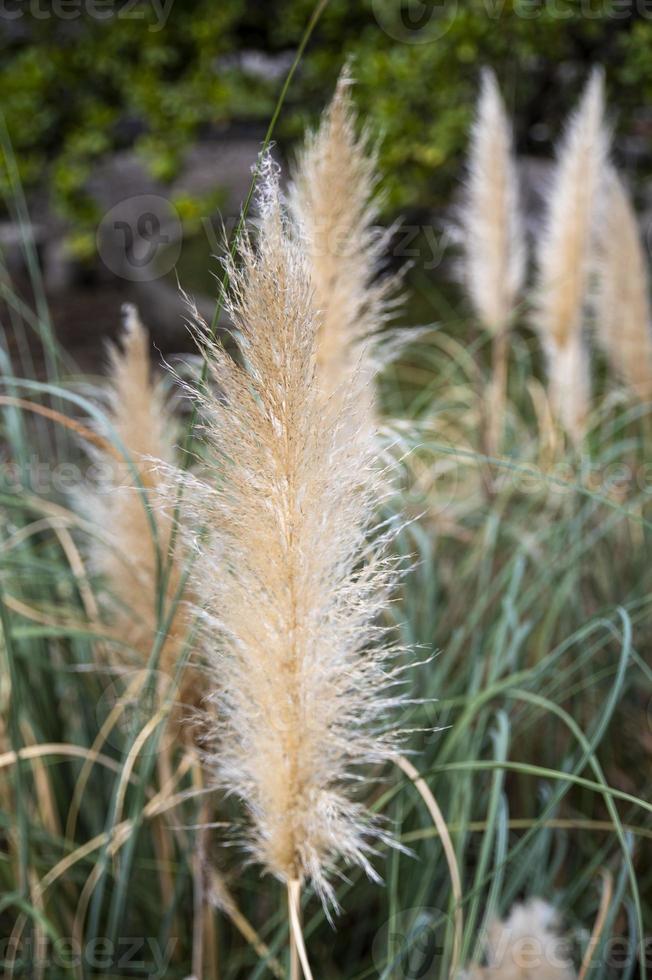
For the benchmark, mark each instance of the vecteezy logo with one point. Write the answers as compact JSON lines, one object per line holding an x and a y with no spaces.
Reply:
{"x":410,"y":946}
{"x":415,"y":21}
{"x":139,"y":239}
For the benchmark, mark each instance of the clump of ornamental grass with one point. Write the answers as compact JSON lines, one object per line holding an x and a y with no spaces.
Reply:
{"x":493,"y":236}
{"x":526,"y":946}
{"x":622,"y":301}
{"x":143,"y":577}
{"x":290,"y":573}
{"x":565,"y":259}
{"x":334,"y":203}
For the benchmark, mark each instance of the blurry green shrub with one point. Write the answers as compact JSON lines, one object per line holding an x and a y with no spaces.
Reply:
{"x":74,"y":89}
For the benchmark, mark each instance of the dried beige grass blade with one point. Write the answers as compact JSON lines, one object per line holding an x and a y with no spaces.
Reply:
{"x":68,"y":423}
{"x":334,"y":204}
{"x":565,"y":256}
{"x":44,"y":793}
{"x":64,"y":749}
{"x":606,"y":899}
{"x":288,"y":578}
{"x":107,"y":726}
{"x":161,"y":803}
{"x":221,"y":898}
{"x":299,"y":952}
{"x":128,"y":500}
{"x":622,"y":298}
{"x":451,"y":859}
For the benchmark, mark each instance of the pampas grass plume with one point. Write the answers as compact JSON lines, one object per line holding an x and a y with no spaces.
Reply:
{"x":334,"y":203}
{"x":132,"y":548}
{"x":622,"y":301}
{"x":526,"y":946}
{"x":565,"y":257}
{"x":288,"y":581}
{"x":494,"y":237}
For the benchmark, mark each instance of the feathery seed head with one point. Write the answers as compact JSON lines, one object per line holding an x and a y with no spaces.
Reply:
{"x":289,"y":578}
{"x":526,"y":946}
{"x":621,"y":296}
{"x":569,"y":386}
{"x":128,"y":505}
{"x":566,"y":251}
{"x":494,"y":237}
{"x":334,"y":204}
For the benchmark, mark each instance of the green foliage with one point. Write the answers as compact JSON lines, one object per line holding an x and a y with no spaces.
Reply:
{"x":74,"y":90}
{"x":418,"y":93}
